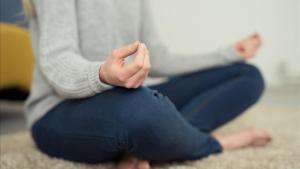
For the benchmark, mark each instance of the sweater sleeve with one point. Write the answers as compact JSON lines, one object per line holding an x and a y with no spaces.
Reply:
{"x":59,"y":56}
{"x":166,"y":64}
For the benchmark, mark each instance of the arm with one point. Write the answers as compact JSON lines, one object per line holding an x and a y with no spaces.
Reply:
{"x":166,"y":64}
{"x":59,"y":56}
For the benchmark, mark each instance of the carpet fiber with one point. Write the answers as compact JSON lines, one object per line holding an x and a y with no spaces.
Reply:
{"x":19,"y":152}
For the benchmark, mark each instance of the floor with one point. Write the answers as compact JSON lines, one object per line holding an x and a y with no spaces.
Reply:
{"x":278,"y":112}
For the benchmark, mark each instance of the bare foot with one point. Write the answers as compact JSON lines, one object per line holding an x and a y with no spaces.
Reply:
{"x":127,"y":162}
{"x":143,"y":164}
{"x":244,"y":138}
{"x":131,"y":162}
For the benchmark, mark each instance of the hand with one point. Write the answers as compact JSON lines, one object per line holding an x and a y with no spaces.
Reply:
{"x":115,"y":72}
{"x":248,"y":47}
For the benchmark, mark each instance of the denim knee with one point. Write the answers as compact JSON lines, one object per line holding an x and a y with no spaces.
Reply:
{"x":254,"y":80}
{"x":150,"y":122}
{"x":148,"y":110}
{"x":157,"y":140}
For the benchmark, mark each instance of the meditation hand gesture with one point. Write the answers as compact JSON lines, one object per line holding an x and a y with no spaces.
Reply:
{"x":248,"y":47}
{"x":115,"y":72}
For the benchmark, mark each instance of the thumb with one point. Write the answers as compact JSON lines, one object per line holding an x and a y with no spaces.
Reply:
{"x":126,"y":50}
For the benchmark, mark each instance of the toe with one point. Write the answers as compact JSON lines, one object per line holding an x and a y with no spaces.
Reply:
{"x":143,"y":164}
{"x":261,"y":138}
{"x":128,"y":163}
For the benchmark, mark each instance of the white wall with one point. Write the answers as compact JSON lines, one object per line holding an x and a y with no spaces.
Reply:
{"x":298,"y":44}
{"x":202,"y":25}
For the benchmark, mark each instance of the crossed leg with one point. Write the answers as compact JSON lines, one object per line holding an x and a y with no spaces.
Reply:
{"x":147,"y":124}
{"x":209,"y":99}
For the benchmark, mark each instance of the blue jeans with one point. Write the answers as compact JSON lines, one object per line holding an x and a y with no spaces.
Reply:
{"x":167,"y":122}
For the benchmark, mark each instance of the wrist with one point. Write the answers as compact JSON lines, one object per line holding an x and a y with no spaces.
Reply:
{"x":230,"y":54}
{"x":237,"y":52}
{"x":102,"y":76}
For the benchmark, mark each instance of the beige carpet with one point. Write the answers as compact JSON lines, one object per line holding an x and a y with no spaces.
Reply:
{"x":19,"y":152}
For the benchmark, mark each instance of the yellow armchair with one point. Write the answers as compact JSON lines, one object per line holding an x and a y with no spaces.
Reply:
{"x":16,"y":57}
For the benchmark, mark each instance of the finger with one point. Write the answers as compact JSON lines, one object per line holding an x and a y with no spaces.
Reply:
{"x":136,"y":79}
{"x":141,"y":81}
{"x":256,"y":43}
{"x":251,"y":42}
{"x":147,"y":67}
{"x":260,"y":41}
{"x":136,"y":65}
{"x":255,"y":35}
{"x":245,"y":49}
{"x":240,"y":47}
{"x":257,"y":38}
{"x":139,"y":78}
{"x":251,"y":50}
{"x":126,"y":51}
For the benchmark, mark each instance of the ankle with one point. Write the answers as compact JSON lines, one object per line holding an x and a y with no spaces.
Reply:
{"x":222,"y":141}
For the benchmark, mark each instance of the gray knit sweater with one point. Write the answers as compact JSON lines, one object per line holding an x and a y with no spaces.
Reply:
{"x":72,"y":38}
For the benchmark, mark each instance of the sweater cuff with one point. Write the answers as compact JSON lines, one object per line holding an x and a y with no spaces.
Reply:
{"x":93,"y":77}
{"x":230,"y":54}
